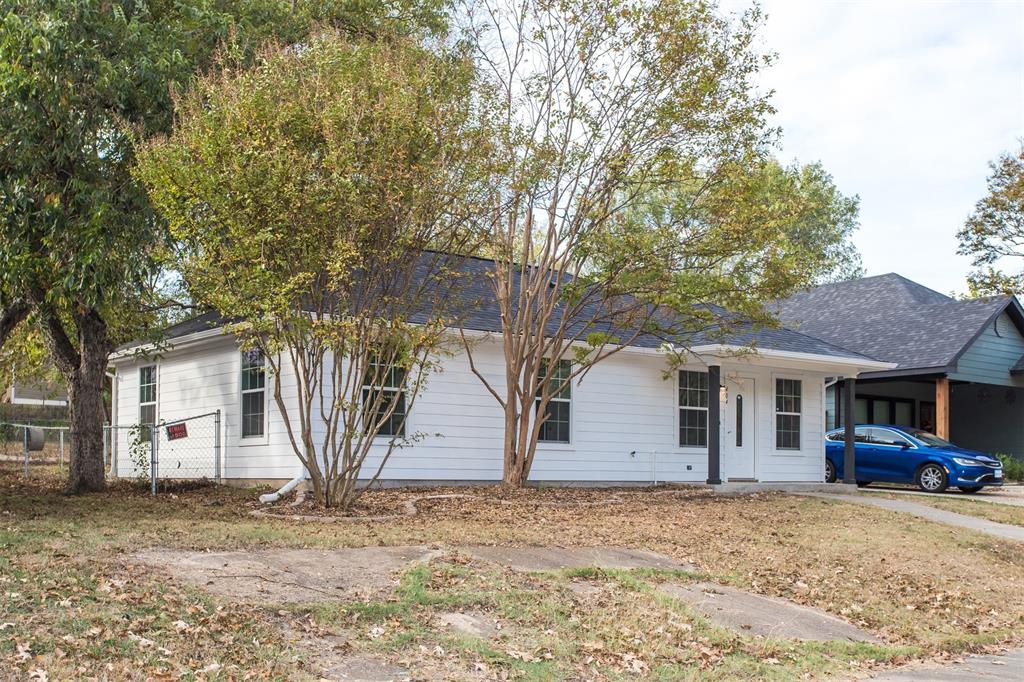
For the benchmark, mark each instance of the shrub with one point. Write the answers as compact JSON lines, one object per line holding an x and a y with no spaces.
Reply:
{"x":1013,"y":468}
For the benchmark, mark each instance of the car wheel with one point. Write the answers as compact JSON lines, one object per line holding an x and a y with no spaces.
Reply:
{"x":863,"y":484}
{"x":931,"y":478}
{"x":830,"y":471}
{"x":970,"y":489}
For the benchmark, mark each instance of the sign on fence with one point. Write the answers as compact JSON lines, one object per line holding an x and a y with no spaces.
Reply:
{"x":177,"y":431}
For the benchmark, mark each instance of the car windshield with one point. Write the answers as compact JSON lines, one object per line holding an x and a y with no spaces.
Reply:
{"x":928,"y":438}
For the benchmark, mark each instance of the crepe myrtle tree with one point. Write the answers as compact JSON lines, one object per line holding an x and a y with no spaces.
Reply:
{"x":630,"y":193}
{"x":80,"y":247}
{"x":322,"y":197}
{"x":994,"y":232}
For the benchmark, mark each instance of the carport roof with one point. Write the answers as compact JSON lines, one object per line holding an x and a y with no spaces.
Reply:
{"x":892,"y":318}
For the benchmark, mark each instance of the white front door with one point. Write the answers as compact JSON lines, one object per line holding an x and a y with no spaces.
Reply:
{"x":738,"y":431}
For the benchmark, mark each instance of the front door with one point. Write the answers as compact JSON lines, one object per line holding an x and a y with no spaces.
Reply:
{"x":738,"y":432}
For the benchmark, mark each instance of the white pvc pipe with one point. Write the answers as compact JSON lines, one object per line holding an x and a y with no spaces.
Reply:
{"x":270,"y":498}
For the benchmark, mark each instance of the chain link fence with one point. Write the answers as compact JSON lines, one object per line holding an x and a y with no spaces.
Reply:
{"x":180,"y":450}
{"x":30,"y":445}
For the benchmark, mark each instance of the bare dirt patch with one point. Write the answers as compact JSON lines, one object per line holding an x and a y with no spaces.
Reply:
{"x":289,"y":575}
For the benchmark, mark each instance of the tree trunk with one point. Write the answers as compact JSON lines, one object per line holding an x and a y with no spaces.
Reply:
{"x":86,"y":472}
{"x":515,"y":471}
{"x":84,"y":369}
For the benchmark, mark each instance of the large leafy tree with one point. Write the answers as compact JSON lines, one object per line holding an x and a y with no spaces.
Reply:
{"x":79,"y":243}
{"x":994,"y":233}
{"x":632,"y":177}
{"x":320,"y":198}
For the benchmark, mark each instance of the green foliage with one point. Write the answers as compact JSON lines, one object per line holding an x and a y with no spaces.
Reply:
{"x":994,"y":233}
{"x":1013,"y":468}
{"x":140,"y":443}
{"x":289,"y":178}
{"x":752,"y":234}
{"x":78,"y":78}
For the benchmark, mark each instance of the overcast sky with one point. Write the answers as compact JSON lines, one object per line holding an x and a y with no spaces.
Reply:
{"x":905,"y":102}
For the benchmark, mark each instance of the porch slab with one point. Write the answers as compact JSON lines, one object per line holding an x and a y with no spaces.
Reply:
{"x":753,"y":614}
{"x":736,"y":488}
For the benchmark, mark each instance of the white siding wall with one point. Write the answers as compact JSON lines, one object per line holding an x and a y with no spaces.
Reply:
{"x":624,"y":421}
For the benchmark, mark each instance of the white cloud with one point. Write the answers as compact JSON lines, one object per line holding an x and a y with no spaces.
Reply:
{"x":905,"y":103}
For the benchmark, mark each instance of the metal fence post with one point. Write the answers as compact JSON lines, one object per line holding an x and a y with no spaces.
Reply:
{"x":60,"y":458}
{"x":153,"y":438}
{"x":216,"y":446}
{"x":24,"y":431}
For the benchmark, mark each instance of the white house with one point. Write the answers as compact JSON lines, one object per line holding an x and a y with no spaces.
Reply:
{"x":624,"y":422}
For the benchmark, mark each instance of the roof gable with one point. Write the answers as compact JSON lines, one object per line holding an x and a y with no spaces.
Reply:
{"x":894,"y":319}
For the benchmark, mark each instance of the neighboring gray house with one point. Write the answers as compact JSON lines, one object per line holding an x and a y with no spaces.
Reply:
{"x":29,"y":393}
{"x":960,"y":363}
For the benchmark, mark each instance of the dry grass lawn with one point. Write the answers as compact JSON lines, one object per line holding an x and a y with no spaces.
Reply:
{"x":73,"y":607}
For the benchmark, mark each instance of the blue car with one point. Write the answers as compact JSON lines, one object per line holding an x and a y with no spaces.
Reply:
{"x":900,"y":454}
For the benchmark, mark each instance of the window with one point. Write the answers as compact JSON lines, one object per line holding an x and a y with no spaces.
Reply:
{"x":384,"y":399}
{"x":693,"y":409}
{"x":860,"y":435}
{"x":254,"y":380}
{"x":555,"y":428}
{"x":147,"y":399}
{"x":739,"y":421}
{"x":787,"y":413}
{"x":886,"y":437}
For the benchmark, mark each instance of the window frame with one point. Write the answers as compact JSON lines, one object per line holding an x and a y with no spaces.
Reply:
{"x":156,"y":398}
{"x":262,"y":438}
{"x":798,"y":450}
{"x":556,"y":397}
{"x":679,"y":408}
{"x":406,"y":421}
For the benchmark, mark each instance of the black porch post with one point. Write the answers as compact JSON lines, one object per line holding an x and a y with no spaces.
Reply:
{"x":849,"y":451}
{"x":714,"y":422}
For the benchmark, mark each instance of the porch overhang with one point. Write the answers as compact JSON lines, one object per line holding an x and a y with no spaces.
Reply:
{"x":840,"y":365}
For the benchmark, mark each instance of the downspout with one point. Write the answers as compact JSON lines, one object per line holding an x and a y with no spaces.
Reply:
{"x":111,"y":430}
{"x":270,"y":498}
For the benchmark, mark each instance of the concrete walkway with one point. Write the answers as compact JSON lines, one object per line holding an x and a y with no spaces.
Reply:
{"x":1000,"y":530}
{"x":1008,"y":667}
{"x":1011,"y":495}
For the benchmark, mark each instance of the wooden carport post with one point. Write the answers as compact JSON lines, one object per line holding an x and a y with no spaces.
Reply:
{"x":942,"y":407}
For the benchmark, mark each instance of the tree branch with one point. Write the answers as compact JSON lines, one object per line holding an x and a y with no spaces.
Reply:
{"x":11,"y":318}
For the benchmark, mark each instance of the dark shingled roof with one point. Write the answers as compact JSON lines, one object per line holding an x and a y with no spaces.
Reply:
{"x":481,"y":313}
{"x":1018,"y":367}
{"x":894,"y":319}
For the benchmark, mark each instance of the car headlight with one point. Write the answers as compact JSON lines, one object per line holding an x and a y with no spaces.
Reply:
{"x":968,"y":462}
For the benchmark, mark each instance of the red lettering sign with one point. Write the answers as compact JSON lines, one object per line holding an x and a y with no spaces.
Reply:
{"x":176,"y":431}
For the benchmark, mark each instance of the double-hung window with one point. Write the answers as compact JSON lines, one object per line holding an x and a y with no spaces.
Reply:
{"x":693,"y":409}
{"x":787,"y":413}
{"x":556,"y":428}
{"x":384,"y":399}
{"x":254,"y":394}
{"x":147,"y":398}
